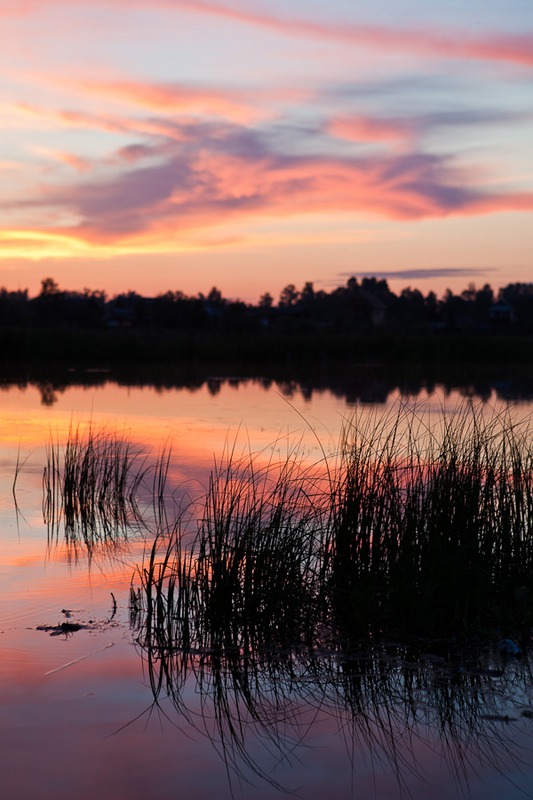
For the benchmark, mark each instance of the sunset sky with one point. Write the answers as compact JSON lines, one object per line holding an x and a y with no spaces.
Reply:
{"x":182,"y":144}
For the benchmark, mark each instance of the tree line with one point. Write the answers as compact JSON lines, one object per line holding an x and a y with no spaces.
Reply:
{"x":363,"y":304}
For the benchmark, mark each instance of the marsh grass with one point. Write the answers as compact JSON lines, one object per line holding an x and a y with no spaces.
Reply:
{"x":432,"y":526}
{"x":420,"y":527}
{"x":92,"y":485}
{"x":250,"y":570}
{"x":278,"y":593}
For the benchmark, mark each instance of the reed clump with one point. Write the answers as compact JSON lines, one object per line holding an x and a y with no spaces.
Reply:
{"x":432,"y":526}
{"x":92,"y":484}
{"x":419,"y":528}
{"x":249,"y":571}
{"x":363,"y":588}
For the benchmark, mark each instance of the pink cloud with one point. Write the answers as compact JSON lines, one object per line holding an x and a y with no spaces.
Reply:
{"x":514,"y":48}
{"x":70,"y":159}
{"x":357,"y":128}
{"x":453,"y":44}
{"x":193,"y":192}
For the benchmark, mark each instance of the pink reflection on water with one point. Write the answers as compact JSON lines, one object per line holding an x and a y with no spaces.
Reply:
{"x":81,"y":731}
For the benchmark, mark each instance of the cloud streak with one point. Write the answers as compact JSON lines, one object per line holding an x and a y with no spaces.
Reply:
{"x":173,"y":97}
{"x":516,"y":49}
{"x":427,"y":273}
{"x":374,"y":128}
{"x":425,"y":42}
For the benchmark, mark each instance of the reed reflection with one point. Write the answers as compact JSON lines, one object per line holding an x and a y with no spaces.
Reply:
{"x":259,"y":707}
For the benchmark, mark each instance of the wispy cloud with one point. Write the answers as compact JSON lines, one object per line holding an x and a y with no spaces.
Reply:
{"x":423,"y":41}
{"x":428,"y":273}
{"x":239,"y":178}
{"x":165,"y":127}
{"x":374,"y":128}
{"x":426,"y":42}
{"x":72,"y":160}
{"x":73,"y":118}
{"x":173,"y":97}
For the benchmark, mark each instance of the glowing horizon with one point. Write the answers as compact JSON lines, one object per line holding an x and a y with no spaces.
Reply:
{"x":182,"y":144}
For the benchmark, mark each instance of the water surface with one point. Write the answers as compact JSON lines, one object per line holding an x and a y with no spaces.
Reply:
{"x":77,"y":711}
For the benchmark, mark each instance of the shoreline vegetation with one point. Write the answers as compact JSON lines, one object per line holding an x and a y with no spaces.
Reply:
{"x":418,"y":526}
{"x":363,"y":322}
{"x":414,"y":529}
{"x":375,"y":588}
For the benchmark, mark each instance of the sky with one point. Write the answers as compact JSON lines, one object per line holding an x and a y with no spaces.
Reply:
{"x":156,"y":145}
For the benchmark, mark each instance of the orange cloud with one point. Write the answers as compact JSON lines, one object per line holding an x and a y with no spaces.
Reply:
{"x":37,"y":244}
{"x":170,"y":97}
{"x":70,"y":159}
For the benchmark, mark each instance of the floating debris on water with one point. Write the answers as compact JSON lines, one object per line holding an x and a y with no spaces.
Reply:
{"x":66,"y":628}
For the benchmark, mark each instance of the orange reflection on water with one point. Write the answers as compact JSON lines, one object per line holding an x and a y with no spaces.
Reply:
{"x":65,"y":698}
{"x":199,"y":424}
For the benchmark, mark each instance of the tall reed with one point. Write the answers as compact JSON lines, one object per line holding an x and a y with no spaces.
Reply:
{"x":417,"y":528}
{"x":432,"y":527}
{"x":278,"y":595}
{"x":252,"y":568}
{"x":92,"y":485}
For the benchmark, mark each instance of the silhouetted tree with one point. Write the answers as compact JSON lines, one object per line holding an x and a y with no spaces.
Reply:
{"x":49,"y":288}
{"x":215,"y":296}
{"x":266,"y":300}
{"x":289,"y":296}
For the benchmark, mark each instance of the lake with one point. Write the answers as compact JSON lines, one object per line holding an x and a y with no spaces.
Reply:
{"x":88,"y":710}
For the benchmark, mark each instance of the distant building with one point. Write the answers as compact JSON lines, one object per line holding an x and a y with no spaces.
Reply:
{"x":501,"y":314}
{"x":375,"y":308}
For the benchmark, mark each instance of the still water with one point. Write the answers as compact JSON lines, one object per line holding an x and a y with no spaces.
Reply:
{"x":77,"y":711}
